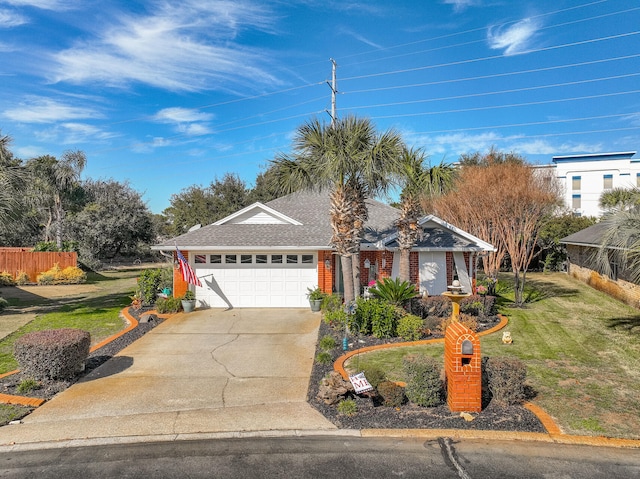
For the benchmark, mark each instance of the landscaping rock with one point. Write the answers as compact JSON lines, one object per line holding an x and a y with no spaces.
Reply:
{"x":334,"y":389}
{"x":145,"y":318}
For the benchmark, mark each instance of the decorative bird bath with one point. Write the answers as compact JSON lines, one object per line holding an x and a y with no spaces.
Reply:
{"x":455,"y":293}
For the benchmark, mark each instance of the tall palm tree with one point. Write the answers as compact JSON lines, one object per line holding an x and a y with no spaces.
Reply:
{"x":353,"y":162}
{"x":11,"y":180}
{"x":55,"y":180}
{"x":419,"y":183}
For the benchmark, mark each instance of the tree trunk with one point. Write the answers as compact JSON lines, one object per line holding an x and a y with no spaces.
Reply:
{"x":59,"y":216}
{"x":518,"y":289}
{"x":355,"y":266}
{"x":404,"y":272}
{"x":347,"y":278}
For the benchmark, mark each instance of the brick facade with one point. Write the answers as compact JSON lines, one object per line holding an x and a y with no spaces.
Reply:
{"x":326,"y":275}
{"x":463,"y":371}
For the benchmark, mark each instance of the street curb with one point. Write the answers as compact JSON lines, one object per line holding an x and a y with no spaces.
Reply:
{"x":35,"y":402}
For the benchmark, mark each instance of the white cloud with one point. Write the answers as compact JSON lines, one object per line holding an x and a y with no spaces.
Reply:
{"x":44,"y":4}
{"x":72,"y":133}
{"x":186,"y":46}
{"x":513,"y":39}
{"x":459,"y":5}
{"x":182,"y":115}
{"x":46,"y":110}
{"x":9,"y":19}
{"x":360,"y":38}
{"x":31,"y":152}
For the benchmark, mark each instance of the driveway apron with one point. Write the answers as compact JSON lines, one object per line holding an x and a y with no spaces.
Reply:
{"x":210,"y":371}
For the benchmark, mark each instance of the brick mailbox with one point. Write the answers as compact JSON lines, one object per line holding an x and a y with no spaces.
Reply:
{"x":462,"y":364}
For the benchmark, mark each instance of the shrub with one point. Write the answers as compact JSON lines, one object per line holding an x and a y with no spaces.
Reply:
{"x":431,"y":324}
{"x":6,"y":279}
{"x":168,"y":305}
{"x":3,"y":304}
{"x":45,"y":278}
{"x":465,"y":319}
{"x":331,"y":302}
{"x":151,"y":281}
{"x":327,"y":343}
{"x":506,"y":377}
{"x":57,"y":275}
{"x":375,"y":316}
{"x":22,"y":278}
{"x":324,"y":358}
{"x":392,"y":395}
{"x":347,"y":407}
{"x":54,"y":353}
{"x":424,"y":385}
{"x":438,"y":306}
{"x":374,"y":375}
{"x":335,"y":318}
{"x":478,"y":305}
{"x":410,"y":327}
{"x":28,"y":385}
{"x":394,"y":291}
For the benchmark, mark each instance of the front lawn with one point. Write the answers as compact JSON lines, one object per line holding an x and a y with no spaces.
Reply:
{"x":581,"y":347}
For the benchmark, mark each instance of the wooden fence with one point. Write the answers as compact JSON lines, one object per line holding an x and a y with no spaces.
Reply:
{"x":15,"y":260}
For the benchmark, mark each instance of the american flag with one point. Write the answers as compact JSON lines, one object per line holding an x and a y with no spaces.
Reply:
{"x":188,"y":274}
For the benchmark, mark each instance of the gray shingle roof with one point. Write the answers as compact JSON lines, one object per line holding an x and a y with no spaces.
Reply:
{"x":309,"y":208}
{"x":590,"y":236}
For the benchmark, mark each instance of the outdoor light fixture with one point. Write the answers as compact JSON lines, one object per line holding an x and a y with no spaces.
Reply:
{"x":327,"y":263}
{"x":367,"y":263}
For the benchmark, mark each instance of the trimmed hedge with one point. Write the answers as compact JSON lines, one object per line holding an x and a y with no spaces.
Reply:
{"x":410,"y":327}
{"x":424,"y":383}
{"x":53,"y":353}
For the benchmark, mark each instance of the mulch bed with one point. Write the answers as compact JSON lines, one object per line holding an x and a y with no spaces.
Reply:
{"x":49,"y":388}
{"x":372,"y":415}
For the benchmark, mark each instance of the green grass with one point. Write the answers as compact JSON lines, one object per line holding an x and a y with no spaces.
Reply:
{"x":96,"y":312}
{"x":581,"y":347}
{"x":10,"y":412}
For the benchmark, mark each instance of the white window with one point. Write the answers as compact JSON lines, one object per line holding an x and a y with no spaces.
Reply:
{"x":215,"y":258}
{"x":607,"y":183}
{"x":576,"y":202}
{"x":575,"y":183}
{"x":201,"y":258}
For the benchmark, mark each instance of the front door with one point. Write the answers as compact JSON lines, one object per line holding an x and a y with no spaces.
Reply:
{"x":433,"y":272}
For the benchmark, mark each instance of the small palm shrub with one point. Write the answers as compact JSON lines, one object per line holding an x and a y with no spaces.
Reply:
{"x":53,"y":353}
{"x":28,"y":385}
{"x":394,"y":291}
{"x":6,"y":279}
{"x":506,"y":377}
{"x":392,"y":395}
{"x":424,"y":384}
{"x":410,"y":327}
{"x":347,"y":407}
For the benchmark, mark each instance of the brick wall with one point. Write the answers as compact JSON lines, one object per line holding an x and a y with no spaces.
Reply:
{"x":628,"y":293}
{"x":414,"y":267}
{"x":463,"y":372}
{"x":325,"y":276}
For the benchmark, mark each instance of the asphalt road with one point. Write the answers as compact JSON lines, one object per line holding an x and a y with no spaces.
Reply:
{"x":324,"y":456}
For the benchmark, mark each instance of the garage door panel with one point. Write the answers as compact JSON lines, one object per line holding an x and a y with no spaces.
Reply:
{"x":256,"y":285}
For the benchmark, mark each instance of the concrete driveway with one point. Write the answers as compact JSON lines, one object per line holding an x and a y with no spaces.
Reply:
{"x":209,"y":371}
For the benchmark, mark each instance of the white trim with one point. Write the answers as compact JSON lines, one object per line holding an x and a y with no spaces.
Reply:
{"x":258,"y":205}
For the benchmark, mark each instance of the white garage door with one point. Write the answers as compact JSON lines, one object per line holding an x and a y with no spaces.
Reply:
{"x":246,"y":280}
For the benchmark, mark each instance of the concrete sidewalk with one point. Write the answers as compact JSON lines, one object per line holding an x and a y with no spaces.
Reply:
{"x":210,"y":371}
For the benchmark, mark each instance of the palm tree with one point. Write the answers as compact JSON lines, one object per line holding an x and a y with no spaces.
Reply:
{"x":55,"y":180}
{"x":353,"y":162}
{"x":621,"y":239}
{"x":419,"y":184}
{"x":11,"y":180}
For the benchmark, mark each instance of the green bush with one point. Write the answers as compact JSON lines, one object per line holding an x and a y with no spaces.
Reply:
{"x":438,"y":306}
{"x":151,"y":281}
{"x":394,"y":291}
{"x":53,"y":353}
{"x":392,"y":395}
{"x":335,"y":319}
{"x":331,"y":302}
{"x":506,"y":377}
{"x":374,"y":375}
{"x":3,"y":304}
{"x":374,"y":316}
{"x":348,"y":407}
{"x":424,"y":385}
{"x":327,"y":343}
{"x":410,"y":327}
{"x":6,"y":279}
{"x":168,"y":305}
{"x":324,"y":357}
{"x":44,"y":279}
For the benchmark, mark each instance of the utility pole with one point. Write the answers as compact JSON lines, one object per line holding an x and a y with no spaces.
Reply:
{"x":334,"y":90}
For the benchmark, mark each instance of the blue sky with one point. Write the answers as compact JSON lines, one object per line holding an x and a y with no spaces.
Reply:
{"x":168,"y":94}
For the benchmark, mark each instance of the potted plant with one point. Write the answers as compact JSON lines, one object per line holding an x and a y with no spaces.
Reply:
{"x":315,"y":295}
{"x":188,"y":301}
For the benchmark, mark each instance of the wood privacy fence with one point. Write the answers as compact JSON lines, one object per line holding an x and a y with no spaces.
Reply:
{"x":15,"y":260}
